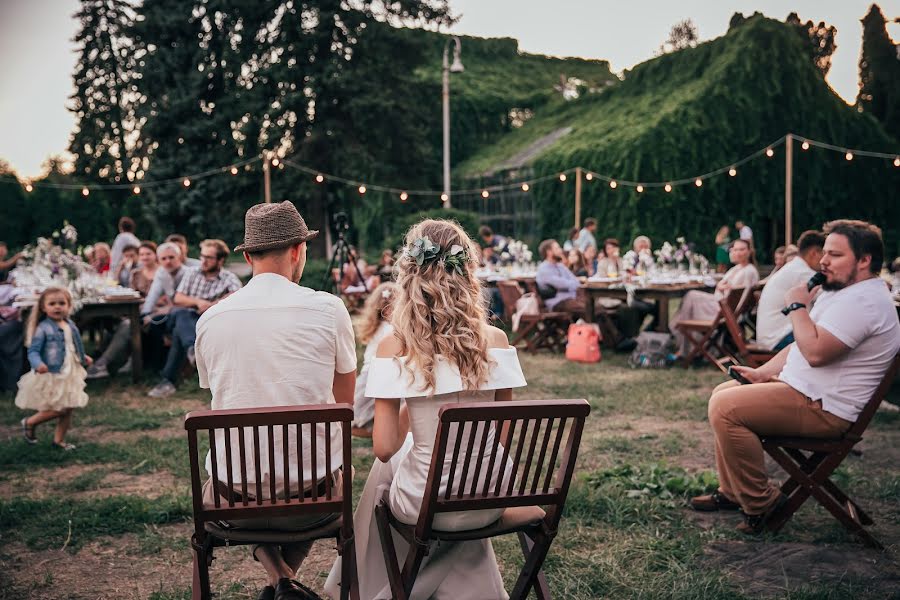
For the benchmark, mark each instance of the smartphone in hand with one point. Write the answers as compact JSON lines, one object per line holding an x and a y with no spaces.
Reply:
{"x":737,"y":376}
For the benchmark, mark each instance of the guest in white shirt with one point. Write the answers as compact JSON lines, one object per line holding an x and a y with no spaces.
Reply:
{"x":744,"y":231}
{"x":586,"y":237}
{"x":275,"y":343}
{"x":817,"y":386}
{"x":125,"y":239}
{"x":705,"y":306}
{"x":773,"y":329}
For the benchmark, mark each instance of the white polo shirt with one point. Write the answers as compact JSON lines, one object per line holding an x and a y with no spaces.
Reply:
{"x":274,"y":343}
{"x":863,"y":317}
{"x":771,"y":325}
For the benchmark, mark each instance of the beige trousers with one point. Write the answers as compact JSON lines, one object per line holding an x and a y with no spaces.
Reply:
{"x":739,"y":414}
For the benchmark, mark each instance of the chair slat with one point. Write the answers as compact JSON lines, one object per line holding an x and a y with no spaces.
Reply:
{"x":506,"y":444}
{"x":520,"y":445}
{"x":540,"y":464}
{"x":256,"y":464}
{"x":242,"y":453}
{"x":286,"y":454}
{"x":214,"y":460}
{"x":229,"y":467}
{"x":460,"y":430}
{"x":271,"y":469}
{"x":313,"y":456}
{"x":328,"y":461}
{"x":300,"y":478}
{"x":480,"y":460}
{"x":498,"y":426}
{"x":551,"y":466}
{"x":530,"y":458}
{"x":468,"y":460}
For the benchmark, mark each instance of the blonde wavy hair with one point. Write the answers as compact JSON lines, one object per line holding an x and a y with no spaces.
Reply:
{"x":440,"y":310}
{"x":376,"y":310}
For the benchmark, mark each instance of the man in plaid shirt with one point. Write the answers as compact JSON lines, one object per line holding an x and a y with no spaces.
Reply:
{"x":199,"y":289}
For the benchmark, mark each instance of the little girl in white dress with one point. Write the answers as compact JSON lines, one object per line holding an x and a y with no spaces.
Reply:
{"x":442,"y":352}
{"x":376,"y":325}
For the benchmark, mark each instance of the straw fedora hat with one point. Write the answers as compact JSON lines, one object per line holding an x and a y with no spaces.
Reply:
{"x":271,"y":226}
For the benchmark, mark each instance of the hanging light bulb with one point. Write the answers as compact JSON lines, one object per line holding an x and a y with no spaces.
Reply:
{"x":732,"y":171}
{"x":668,"y":187}
{"x":186,"y":182}
{"x":805,"y":145}
{"x":234,"y":170}
{"x":613,"y":184}
{"x":562,"y":176}
{"x":698,"y":182}
{"x":29,"y":187}
{"x":136,"y":189}
{"x":525,"y":187}
{"x":897,"y":162}
{"x":770,"y":153}
{"x":640,"y":189}
{"x":85,"y":192}
{"x":275,"y":162}
{"x":403,"y":196}
{"x":485,"y":193}
{"x":362,"y":189}
{"x":589,"y":176}
{"x":849,"y":156}
{"x":320,"y":178}
{"x":444,"y":197}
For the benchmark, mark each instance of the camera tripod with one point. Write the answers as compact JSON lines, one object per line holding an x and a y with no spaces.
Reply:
{"x":340,"y":253}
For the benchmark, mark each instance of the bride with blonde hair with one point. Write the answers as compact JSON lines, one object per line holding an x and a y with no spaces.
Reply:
{"x":442,"y":352}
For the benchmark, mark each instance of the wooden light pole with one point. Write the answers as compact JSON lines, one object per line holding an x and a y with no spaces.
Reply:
{"x":788,"y":193}
{"x":267,"y":183}
{"x":577,"y":197}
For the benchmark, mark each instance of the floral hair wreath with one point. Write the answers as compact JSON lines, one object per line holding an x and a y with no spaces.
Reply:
{"x":423,"y":251}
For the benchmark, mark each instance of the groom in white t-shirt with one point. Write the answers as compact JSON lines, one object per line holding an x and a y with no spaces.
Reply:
{"x":275,"y":343}
{"x":817,"y":386}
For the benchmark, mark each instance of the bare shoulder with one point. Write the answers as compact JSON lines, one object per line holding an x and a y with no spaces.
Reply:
{"x":497,"y":338}
{"x":389,"y":347}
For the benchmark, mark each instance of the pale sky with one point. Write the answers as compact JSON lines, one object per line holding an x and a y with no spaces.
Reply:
{"x":38,"y":55}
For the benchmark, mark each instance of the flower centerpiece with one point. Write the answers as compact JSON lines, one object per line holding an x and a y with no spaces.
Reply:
{"x":515,"y":253}
{"x":46,"y":264}
{"x":680,"y":253}
{"x":639,"y":262}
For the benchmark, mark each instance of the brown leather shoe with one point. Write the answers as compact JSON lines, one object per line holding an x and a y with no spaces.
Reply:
{"x":713,"y":502}
{"x":291,"y":589}
{"x":756,"y":524}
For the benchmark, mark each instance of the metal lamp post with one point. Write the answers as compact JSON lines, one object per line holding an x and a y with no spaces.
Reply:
{"x":456,"y":67}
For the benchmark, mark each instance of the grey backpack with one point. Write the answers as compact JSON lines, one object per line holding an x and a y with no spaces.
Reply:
{"x":654,"y":350}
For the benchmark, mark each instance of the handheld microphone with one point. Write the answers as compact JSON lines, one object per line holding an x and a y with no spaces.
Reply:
{"x":817,"y":279}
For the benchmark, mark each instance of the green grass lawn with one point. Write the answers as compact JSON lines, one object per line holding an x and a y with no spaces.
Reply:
{"x":112,"y":519}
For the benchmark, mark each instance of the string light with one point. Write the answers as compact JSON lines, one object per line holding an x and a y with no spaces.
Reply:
{"x":849,"y":156}
{"x":403,"y":196}
{"x":640,"y":189}
{"x":362,"y":189}
{"x":444,"y":197}
{"x":234,"y":170}
{"x":770,"y":153}
{"x":589,"y":176}
{"x":698,"y":182}
{"x":186,"y":182}
{"x":897,"y":162}
{"x":136,"y":189}
{"x":85,"y":192}
{"x":732,"y":171}
{"x":485,"y":193}
{"x":525,"y":187}
{"x":320,"y":178}
{"x":275,"y":162}
{"x":29,"y":187}
{"x":613,"y":184}
{"x":805,"y":145}
{"x":668,"y":187}
{"x":562,"y":176}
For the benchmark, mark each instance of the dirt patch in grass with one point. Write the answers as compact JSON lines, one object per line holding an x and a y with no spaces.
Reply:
{"x":81,"y":482}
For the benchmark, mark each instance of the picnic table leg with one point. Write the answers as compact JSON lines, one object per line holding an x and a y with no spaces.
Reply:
{"x":662,"y":308}
{"x":589,"y":307}
{"x":137,"y":356}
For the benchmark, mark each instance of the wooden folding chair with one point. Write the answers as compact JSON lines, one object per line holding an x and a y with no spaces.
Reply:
{"x":704,"y":336}
{"x":520,"y":493}
{"x":547,"y":329}
{"x":736,"y":346}
{"x":809,"y":473}
{"x":510,"y":294}
{"x":250,"y":499}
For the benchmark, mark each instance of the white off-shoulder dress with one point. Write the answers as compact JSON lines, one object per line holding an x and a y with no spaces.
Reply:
{"x":460,"y":570}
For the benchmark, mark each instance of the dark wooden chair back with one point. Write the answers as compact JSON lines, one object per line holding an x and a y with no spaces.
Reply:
{"x":249,"y":435}
{"x":530,"y":284}
{"x":855,"y":432}
{"x":510,"y":292}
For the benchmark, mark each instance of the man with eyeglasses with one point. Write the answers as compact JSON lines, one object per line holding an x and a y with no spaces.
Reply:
{"x":199,"y":290}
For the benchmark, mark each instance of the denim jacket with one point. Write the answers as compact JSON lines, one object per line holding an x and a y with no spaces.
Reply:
{"x":48,"y":345}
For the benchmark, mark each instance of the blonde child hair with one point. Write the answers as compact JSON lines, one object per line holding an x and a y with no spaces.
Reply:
{"x":376,"y":310}
{"x":38,"y":313}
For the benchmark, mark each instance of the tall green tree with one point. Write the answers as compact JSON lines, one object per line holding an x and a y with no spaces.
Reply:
{"x":879,"y":73}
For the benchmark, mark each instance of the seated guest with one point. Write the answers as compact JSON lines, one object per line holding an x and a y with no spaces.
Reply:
{"x":777,"y":259}
{"x":611,"y":264}
{"x":199,"y":290}
{"x":7,"y":264}
{"x":576,"y":263}
{"x":301,"y":353}
{"x":705,"y":306}
{"x":790,"y":253}
{"x":555,"y":278}
{"x":128,"y":261}
{"x":12,"y":337}
{"x":591,"y":259}
{"x":773,"y":329}
{"x":161,"y":293}
{"x":386,"y":265}
{"x":125,"y":239}
{"x":641,"y":248}
{"x":100,"y":258}
{"x":569,"y":244}
{"x":818,"y":385}
{"x":489,"y":239}
{"x":357,"y":278}
{"x":186,"y":260}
